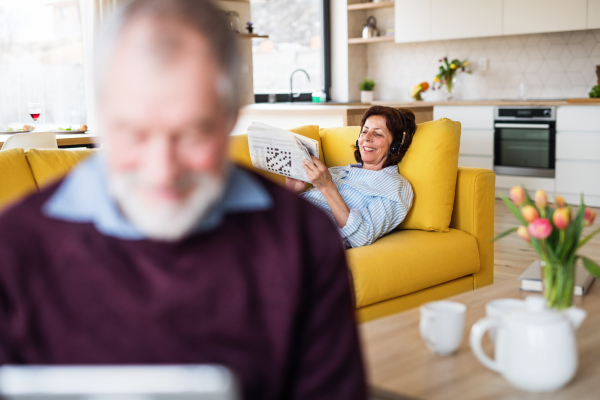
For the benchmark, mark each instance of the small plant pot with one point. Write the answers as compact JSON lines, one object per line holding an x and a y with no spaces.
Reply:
{"x":366,"y":96}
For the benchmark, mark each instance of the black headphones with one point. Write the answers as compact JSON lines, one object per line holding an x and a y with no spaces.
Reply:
{"x":396,"y":144}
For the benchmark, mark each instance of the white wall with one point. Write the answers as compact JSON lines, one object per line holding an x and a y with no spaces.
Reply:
{"x":552,"y":65}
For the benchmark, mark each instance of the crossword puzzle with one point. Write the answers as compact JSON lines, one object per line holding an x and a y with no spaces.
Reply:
{"x":278,"y":161}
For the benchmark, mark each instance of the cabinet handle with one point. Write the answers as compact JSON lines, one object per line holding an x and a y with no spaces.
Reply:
{"x":535,"y":126}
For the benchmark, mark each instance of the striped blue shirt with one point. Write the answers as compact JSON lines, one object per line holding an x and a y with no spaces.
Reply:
{"x":378,"y":201}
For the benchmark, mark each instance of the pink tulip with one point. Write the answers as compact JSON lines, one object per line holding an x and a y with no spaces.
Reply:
{"x":561,"y":218}
{"x":517,"y":195}
{"x":529,"y":213}
{"x":540,"y":228}
{"x":559,"y":202}
{"x":541,"y":199}
{"x":523,"y":234}
{"x":589,"y":216}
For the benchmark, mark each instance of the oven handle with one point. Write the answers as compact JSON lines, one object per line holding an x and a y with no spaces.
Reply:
{"x":508,"y":125}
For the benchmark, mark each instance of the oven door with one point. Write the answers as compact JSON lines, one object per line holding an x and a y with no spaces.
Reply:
{"x":525,"y":148}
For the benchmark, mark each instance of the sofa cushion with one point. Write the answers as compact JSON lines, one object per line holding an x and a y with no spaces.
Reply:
{"x":406,"y":261}
{"x":50,"y":165}
{"x":16,"y":179}
{"x":430,"y":165}
{"x":240,"y":153}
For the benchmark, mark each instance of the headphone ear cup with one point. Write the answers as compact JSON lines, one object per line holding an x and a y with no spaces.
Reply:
{"x":357,"y":143}
{"x":395,"y":147}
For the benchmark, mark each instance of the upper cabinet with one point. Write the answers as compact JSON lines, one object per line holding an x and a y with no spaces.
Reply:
{"x":465,"y":18}
{"x":424,"y":20}
{"x":535,"y":16}
{"x":593,"y":14}
{"x":412,"y":21}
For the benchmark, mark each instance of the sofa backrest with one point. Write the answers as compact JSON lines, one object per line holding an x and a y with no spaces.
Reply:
{"x":430,"y":165}
{"x":16,"y":179}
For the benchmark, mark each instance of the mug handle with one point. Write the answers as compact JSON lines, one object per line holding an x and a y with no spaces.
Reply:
{"x":477,"y":332}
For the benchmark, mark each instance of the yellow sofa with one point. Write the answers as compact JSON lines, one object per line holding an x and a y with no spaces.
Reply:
{"x":441,"y":249}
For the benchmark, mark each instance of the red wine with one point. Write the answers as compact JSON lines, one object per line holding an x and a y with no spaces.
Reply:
{"x":35,"y":116}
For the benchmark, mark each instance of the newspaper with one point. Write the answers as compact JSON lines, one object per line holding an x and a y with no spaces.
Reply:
{"x":279,"y":151}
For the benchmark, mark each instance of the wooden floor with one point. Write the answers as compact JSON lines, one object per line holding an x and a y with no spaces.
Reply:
{"x":512,"y":255}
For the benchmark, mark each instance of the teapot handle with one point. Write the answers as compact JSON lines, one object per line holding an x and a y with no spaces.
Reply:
{"x":477,"y":332}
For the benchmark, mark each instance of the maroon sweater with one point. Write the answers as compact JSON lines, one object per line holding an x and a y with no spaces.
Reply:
{"x":266,"y":294}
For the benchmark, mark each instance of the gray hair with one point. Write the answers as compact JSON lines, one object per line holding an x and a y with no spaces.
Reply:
{"x":201,"y":16}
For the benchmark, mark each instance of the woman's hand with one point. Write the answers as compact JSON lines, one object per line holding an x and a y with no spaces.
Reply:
{"x":318,"y":174}
{"x":295,"y":185}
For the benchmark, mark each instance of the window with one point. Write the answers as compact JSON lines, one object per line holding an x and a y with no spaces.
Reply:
{"x":298,"y":33}
{"x":41,"y":60}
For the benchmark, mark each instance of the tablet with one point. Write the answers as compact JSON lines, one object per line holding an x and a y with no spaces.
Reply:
{"x":171,"y":382}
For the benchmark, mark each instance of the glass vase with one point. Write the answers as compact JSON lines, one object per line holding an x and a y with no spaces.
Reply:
{"x":449,"y":88}
{"x":559,"y":283}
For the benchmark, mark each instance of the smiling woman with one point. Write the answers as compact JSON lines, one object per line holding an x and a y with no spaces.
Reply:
{"x":369,"y":199}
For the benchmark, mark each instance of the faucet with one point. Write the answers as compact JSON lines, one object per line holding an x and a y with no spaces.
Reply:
{"x":292,"y":95}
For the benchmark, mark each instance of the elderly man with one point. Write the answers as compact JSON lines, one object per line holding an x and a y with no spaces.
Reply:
{"x":160,"y":251}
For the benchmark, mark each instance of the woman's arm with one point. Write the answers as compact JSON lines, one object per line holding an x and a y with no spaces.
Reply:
{"x":320,"y":177}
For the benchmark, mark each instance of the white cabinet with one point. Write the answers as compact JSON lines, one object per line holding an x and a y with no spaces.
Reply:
{"x":578,"y":119}
{"x":470,"y":117}
{"x":465,"y":19}
{"x":536,"y":16}
{"x":578,"y":153}
{"x":412,"y":21}
{"x":593,"y":14}
{"x":477,"y":133}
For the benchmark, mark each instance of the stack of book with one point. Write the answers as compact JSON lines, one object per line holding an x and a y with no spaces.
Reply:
{"x":531,"y":279}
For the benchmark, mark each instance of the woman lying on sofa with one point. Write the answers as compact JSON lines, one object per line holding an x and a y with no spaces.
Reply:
{"x":368,"y":199}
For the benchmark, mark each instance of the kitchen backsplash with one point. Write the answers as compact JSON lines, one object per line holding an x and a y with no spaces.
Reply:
{"x":551,"y":66}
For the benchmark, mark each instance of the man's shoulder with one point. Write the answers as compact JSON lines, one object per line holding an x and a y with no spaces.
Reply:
{"x":289,"y":208}
{"x":26,"y":213}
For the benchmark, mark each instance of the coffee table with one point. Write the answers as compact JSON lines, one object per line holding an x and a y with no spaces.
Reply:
{"x":400,"y":366}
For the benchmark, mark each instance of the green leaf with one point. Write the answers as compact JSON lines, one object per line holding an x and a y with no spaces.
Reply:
{"x":505,"y":233}
{"x":514,"y":209}
{"x":588,"y":237}
{"x":591,"y":266}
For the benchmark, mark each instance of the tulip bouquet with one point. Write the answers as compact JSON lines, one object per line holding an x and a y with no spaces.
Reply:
{"x":447,"y":72}
{"x":555,"y":234}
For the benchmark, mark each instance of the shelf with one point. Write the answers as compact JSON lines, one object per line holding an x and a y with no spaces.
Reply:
{"x":377,"y":39}
{"x":367,"y":6}
{"x":252,"y":36}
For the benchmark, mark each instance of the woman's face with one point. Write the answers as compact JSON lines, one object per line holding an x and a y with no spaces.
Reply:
{"x":374,"y":142}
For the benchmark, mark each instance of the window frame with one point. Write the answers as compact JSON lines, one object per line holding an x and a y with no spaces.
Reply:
{"x":326,"y":53}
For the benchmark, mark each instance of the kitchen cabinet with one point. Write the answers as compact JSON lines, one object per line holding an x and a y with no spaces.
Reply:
{"x":537,"y":16}
{"x":593,"y":14}
{"x":412,"y":22}
{"x":477,"y":133}
{"x":578,"y":153}
{"x":465,"y":19}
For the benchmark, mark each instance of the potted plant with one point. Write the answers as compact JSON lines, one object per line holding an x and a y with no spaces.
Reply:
{"x":446,"y":78}
{"x":555,"y":234}
{"x":366,"y":90}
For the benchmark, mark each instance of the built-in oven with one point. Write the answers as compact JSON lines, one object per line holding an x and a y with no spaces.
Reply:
{"x":525,"y":141}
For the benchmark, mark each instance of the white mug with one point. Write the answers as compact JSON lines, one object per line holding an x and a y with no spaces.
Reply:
{"x":497,"y":308}
{"x":442,"y":326}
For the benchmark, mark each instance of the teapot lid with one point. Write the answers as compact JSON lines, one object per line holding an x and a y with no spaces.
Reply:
{"x":536,"y":313}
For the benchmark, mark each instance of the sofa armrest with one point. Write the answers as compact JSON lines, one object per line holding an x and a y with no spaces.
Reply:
{"x":473,"y":213}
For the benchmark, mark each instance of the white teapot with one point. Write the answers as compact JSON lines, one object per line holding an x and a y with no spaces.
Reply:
{"x":535,"y":346}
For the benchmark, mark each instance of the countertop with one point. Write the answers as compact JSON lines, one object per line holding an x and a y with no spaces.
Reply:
{"x":343,"y":108}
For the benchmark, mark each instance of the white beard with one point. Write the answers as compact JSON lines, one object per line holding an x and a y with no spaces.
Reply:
{"x":165,"y":220}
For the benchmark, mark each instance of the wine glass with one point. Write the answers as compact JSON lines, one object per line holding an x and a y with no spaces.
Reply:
{"x":35,"y":109}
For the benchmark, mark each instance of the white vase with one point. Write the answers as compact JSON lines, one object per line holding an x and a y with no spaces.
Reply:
{"x":366,"y":96}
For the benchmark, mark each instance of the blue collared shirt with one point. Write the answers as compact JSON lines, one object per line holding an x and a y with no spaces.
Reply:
{"x":84,"y":197}
{"x":378,"y":201}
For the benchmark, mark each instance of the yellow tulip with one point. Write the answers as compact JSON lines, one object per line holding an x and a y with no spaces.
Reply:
{"x":517,"y":195}
{"x":436,"y":79}
{"x":541,"y":199}
{"x":561,"y":218}
{"x":529,"y":213}
{"x":467,"y":64}
{"x":559,"y":202}
{"x":523,"y":233}
{"x":453,"y":66}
